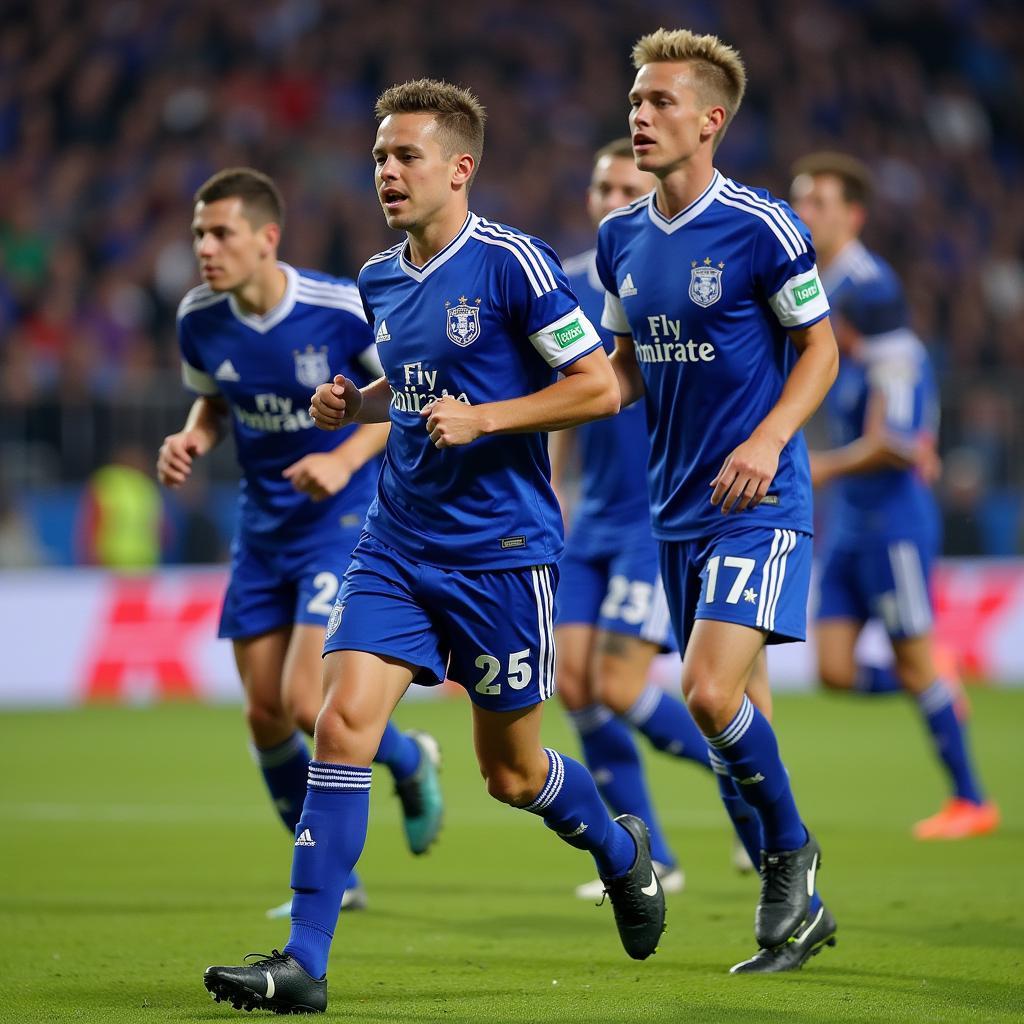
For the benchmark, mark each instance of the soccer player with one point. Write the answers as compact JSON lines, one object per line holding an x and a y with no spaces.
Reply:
{"x":611,"y":614}
{"x":884,"y":533}
{"x":455,"y":572}
{"x":256,"y":337}
{"x":722,"y":327}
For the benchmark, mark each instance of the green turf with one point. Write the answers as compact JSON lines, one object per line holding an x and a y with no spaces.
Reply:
{"x":137,"y":846}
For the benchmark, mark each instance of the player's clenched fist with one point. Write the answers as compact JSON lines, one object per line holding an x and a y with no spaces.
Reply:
{"x":174,"y":460}
{"x":451,"y":422}
{"x":335,"y":404}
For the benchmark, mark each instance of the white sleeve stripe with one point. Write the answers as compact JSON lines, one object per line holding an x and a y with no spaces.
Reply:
{"x":534,"y":283}
{"x":533,"y":254}
{"x":538,"y":261}
{"x":332,"y":302}
{"x":191,"y":305}
{"x":197,"y":380}
{"x":736,"y":204}
{"x":327,"y":287}
{"x":775,"y":209}
{"x":540,"y":269}
{"x":387,"y":254}
{"x":789,"y":228}
{"x":899,"y":402}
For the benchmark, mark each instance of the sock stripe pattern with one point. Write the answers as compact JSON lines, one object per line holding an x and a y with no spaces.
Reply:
{"x":588,"y":720}
{"x":274,"y":757}
{"x":553,"y":786}
{"x":330,"y":778}
{"x":935,"y":698}
{"x":733,"y":732}
{"x":645,"y":706}
{"x":545,"y":627}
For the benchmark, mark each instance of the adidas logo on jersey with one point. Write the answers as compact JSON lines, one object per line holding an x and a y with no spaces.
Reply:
{"x":627,"y":288}
{"x":305,"y":838}
{"x":382,"y":332}
{"x":226,"y":371}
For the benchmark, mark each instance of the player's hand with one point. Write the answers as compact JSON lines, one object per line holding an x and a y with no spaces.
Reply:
{"x":451,"y":422}
{"x":746,"y":474}
{"x":335,"y":404}
{"x":320,"y":475}
{"x":928,"y":462}
{"x":174,"y":460}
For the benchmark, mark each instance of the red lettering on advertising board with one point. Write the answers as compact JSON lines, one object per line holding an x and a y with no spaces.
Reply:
{"x":969,"y":600}
{"x":147,"y":636}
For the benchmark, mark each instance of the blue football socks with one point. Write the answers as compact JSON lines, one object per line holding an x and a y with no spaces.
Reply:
{"x":743,"y":817}
{"x":571,"y":806}
{"x":876,"y":679}
{"x":399,"y":752}
{"x":614,"y":762}
{"x":667,"y":723}
{"x":950,"y":739}
{"x":329,"y":839}
{"x":748,"y":747}
{"x":284,"y":770}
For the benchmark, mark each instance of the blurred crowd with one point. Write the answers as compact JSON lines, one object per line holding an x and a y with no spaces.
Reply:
{"x":112,"y":112}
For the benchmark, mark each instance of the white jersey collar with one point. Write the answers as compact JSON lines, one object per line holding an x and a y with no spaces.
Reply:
{"x":269,"y":320}
{"x":439,"y":258}
{"x":688,"y":213}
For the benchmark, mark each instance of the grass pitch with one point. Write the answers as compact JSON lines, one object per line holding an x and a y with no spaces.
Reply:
{"x":138,"y":846}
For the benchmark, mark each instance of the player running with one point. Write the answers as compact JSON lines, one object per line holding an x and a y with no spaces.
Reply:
{"x":255,"y":338}
{"x":722,"y":327}
{"x":456,"y":569}
{"x":885,"y":526}
{"x":611,"y":614}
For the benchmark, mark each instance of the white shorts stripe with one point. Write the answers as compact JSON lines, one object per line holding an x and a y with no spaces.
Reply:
{"x":788,"y":543}
{"x":766,"y":573}
{"x":913,"y":606}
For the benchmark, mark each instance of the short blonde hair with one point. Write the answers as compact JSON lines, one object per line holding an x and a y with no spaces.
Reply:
{"x":721,"y":76}
{"x":460,"y":116}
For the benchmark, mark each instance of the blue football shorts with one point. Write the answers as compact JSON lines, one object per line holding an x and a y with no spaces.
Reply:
{"x":884,"y":579}
{"x":490,"y":631}
{"x":758,"y":577}
{"x":269,"y":589}
{"x":619,"y":591}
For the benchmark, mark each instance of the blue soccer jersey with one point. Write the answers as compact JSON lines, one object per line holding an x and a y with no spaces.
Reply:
{"x":613,"y":452}
{"x":708,"y":297}
{"x":490,"y":317}
{"x":892,"y":362}
{"x":266,"y":368}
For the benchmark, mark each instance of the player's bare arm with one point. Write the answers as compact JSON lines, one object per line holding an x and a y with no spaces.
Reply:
{"x":586,"y":391}
{"x":876,"y":449}
{"x":323,"y":474}
{"x":627,"y":370}
{"x":204,"y":427}
{"x":749,"y":469}
{"x":340,"y":403}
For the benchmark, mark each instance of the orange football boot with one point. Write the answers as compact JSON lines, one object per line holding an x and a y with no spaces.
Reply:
{"x":959,"y":819}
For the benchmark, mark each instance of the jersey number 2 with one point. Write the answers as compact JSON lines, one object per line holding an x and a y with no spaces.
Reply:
{"x":326,"y":586}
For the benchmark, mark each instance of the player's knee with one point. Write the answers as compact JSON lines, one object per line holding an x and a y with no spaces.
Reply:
{"x":510,"y":786}
{"x":268,"y":721}
{"x":837,"y":677}
{"x":571,"y":686}
{"x":339,"y":737}
{"x":708,"y":704}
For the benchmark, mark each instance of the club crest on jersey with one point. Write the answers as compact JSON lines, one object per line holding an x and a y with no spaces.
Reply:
{"x":463,"y":321}
{"x":311,"y":366}
{"x":705,"y":282}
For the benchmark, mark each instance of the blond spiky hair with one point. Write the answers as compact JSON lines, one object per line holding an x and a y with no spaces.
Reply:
{"x":459,"y":114}
{"x":720,"y":75}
